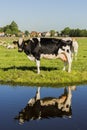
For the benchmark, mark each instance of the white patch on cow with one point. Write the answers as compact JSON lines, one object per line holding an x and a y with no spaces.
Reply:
{"x":66,"y":48}
{"x":38,"y":39}
{"x":38,"y":66}
{"x":60,"y":51}
{"x":31,"y":39}
{"x":20,"y":41}
{"x":48,"y":56}
{"x":67,"y":38}
{"x":31,"y":57}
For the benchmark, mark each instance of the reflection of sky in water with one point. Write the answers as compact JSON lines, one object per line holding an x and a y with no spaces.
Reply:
{"x":14,"y":99}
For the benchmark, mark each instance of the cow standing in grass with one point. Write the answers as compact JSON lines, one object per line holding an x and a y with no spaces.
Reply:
{"x":48,"y":48}
{"x":75,"y":48}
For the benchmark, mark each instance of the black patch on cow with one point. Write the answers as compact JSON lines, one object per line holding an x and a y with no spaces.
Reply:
{"x":68,"y":50}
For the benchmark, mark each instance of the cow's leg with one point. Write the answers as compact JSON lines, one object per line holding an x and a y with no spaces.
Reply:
{"x":69,"y":68}
{"x":69,"y":58}
{"x":67,"y":103}
{"x":70,"y":63}
{"x":75,"y":55}
{"x":32,"y":101}
{"x":64,"y":68}
{"x":38,"y":66}
{"x":38,"y":94}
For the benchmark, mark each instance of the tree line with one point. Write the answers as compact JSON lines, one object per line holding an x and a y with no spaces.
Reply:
{"x":74,"y":32}
{"x":13,"y":29}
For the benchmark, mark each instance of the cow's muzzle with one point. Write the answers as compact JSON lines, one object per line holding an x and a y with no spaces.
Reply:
{"x":20,"y":50}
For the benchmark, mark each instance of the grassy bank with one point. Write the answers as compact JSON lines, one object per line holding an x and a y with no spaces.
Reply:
{"x":15,"y":68}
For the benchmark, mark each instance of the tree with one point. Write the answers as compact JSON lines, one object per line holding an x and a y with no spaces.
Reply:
{"x":1,"y":29}
{"x":66,"y":31}
{"x":83,"y":33}
{"x":14,"y":28}
{"x":52,"y":33}
{"x":8,"y":31}
{"x":26,"y":33}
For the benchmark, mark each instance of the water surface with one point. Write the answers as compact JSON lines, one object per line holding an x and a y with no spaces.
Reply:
{"x":14,"y":100}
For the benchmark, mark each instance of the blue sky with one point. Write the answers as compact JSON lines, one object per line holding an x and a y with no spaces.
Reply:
{"x":44,"y":15}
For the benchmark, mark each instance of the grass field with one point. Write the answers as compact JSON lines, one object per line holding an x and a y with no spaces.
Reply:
{"x":16,"y":69}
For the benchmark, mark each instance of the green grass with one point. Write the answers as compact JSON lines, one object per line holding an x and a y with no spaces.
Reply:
{"x":15,"y":68}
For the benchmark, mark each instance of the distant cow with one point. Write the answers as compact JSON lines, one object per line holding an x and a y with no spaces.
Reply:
{"x":75,"y":46}
{"x":47,"y":107}
{"x":49,"y":48}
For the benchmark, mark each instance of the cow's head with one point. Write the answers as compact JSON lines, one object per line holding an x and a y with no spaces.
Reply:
{"x":20,"y":44}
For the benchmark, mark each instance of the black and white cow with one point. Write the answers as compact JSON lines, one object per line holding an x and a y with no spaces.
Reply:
{"x":49,"y":48}
{"x":40,"y":108}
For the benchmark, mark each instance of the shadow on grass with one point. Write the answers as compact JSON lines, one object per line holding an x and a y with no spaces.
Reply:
{"x":30,"y":68}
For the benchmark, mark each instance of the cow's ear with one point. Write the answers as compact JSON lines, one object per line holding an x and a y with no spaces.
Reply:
{"x":15,"y":42}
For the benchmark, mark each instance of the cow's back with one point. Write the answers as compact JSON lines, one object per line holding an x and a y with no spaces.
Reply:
{"x":49,"y":45}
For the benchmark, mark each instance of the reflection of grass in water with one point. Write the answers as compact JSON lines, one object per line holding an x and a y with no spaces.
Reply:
{"x":16,"y":68}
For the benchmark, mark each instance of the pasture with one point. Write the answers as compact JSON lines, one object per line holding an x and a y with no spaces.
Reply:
{"x":16,"y":69}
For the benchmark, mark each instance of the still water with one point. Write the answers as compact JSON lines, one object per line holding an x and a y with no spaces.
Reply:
{"x":33,"y":108}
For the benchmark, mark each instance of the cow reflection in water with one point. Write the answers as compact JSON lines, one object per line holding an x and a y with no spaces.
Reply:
{"x":47,"y":107}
